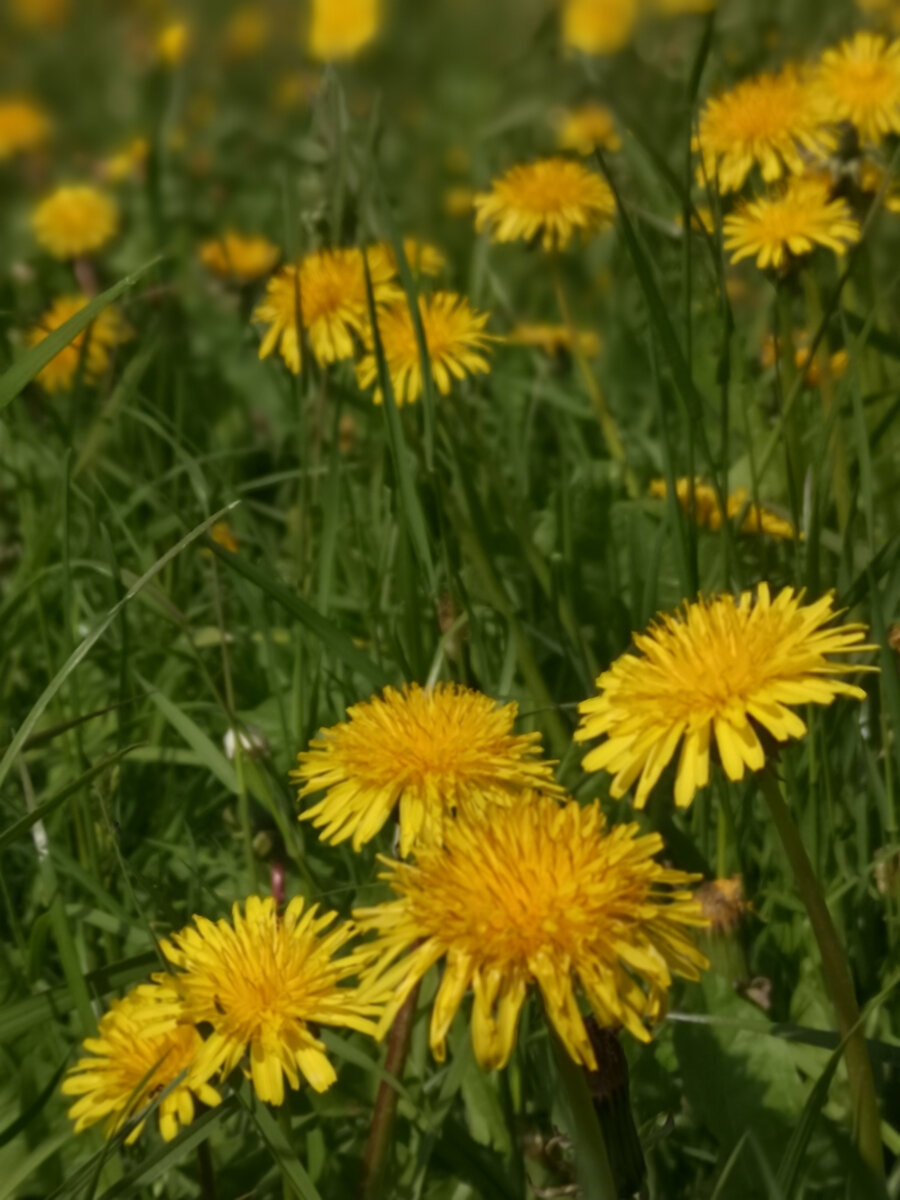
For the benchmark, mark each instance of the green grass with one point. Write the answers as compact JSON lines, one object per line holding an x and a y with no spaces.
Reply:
{"x":487,"y":537}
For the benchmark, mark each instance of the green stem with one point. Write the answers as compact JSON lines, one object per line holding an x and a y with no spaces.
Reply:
{"x":207,"y":1174}
{"x":838,"y":980}
{"x":284,"y":1120}
{"x":382,"y":1128}
{"x":838,"y":446}
{"x":577,"y":1111}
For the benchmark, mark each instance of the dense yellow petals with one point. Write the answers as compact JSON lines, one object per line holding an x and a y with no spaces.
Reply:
{"x":701,"y":501}
{"x":535,"y":894}
{"x":104,"y":333}
{"x":435,"y":752}
{"x":790,"y":223}
{"x":598,"y":26}
{"x":24,"y":126}
{"x":75,"y":220}
{"x":239,"y":256}
{"x":340,"y":29}
{"x":859,"y":82}
{"x":548,"y":200}
{"x":714,"y":676}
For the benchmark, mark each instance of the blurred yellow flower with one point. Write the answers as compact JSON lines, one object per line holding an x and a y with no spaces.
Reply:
{"x":341,"y":28}
{"x":247,"y":31}
{"x":76,"y":219}
{"x":263,"y":983}
{"x":432,"y":753}
{"x":40,"y":14}
{"x":103,"y":334}
{"x":239,"y":257}
{"x":708,"y":512}
{"x":127,"y":162}
{"x":458,"y":201}
{"x":871,"y":179}
{"x":143,"y":1044}
{"x":776,"y":122}
{"x":555,"y":339}
{"x":454,"y":336}
{"x":24,"y":126}
{"x":423,"y":257}
{"x":859,"y":82}
{"x":223,"y":535}
{"x":793,"y":221}
{"x":536,"y":894}
{"x":837,"y":362}
{"x":173,"y":43}
{"x":598,"y":26}
{"x":551,"y":199}
{"x":723,"y":904}
{"x":719,"y":670}
{"x":294,"y":89}
{"x":586,"y":128}
{"x":327,"y":297}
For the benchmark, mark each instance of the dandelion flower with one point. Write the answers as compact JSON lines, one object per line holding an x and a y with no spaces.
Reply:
{"x":598,"y":26}
{"x":458,"y":201}
{"x":536,"y":894}
{"x":586,"y":128}
{"x":454,"y":337}
{"x":127,"y":162}
{"x":859,"y":80}
{"x":174,"y":43}
{"x":240,"y":257}
{"x":776,"y":122}
{"x":721,"y":670}
{"x":342,"y":28}
{"x":144,"y":1043}
{"x":423,"y":257}
{"x":556,"y":339}
{"x":74,"y":220}
{"x":792,"y":222}
{"x":262,"y":983}
{"x":333,"y":308}
{"x":703,"y":500}
{"x":246,"y":31}
{"x":431,"y":752}
{"x":24,"y":126}
{"x":550,"y":198}
{"x":104,"y":333}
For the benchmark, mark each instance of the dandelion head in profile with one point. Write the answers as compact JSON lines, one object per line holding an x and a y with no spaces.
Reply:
{"x":790,"y":223}
{"x":144,"y":1043}
{"x":859,"y":82}
{"x":75,"y":220}
{"x":239,"y":257}
{"x":340,"y":29}
{"x":106,"y":331}
{"x":424,"y":754}
{"x":550,"y":200}
{"x":455,"y":340}
{"x":716,"y":675}
{"x":536,"y":895}
{"x":262,"y":983}
{"x":598,"y":26}
{"x":777,"y":122}
{"x":326,"y":296}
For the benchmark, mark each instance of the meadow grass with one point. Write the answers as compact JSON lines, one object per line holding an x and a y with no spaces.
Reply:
{"x":158,"y":685}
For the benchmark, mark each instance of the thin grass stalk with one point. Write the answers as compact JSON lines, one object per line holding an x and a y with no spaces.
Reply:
{"x":838,"y":980}
{"x":592,"y":1165}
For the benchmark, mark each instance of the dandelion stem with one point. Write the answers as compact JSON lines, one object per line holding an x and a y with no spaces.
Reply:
{"x":838,"y":980}
{"x":207,"y":1175}
{"x":383,"y":1115}
{"x":580,"y":1118}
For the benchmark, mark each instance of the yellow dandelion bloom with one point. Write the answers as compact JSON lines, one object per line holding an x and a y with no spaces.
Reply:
{"x":776,"y":122}
{"x":550,"y":199}
{"x":859,"y":81}
{"x":536,"y":894}
{"x":263,"y":983}
{"x":246,"y":32}
{"x":719,"y":671}
{"x":174,"y":43}
{"x":586,"y":128}
{"x":454,"y":336}
{"x":127,"y":162}
{"x":458,"y":201}
{"x":342,"y":28}
{"x":598,"y":26}
{"x":429,"y":752}
{"x":556,"y":339}
{"x":239,"y":257}
{"x":103,"y":334}
{"x":74,"y":220}
{"x":791,"y":222}
{"x":24,"y":126}
{"x":708,"y":512}
{"x":143,"y":1044}
{"x":423,"y":257}
{"x":330,"y":288}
